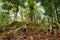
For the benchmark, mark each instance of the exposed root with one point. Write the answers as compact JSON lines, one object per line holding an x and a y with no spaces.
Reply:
{"x":9,"y":32}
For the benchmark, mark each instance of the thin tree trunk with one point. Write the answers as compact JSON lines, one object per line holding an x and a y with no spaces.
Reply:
{"x":54,"y":14}
{"x":21,"y":15}
{"x":15,"y":17}
{"x":33,"y":17}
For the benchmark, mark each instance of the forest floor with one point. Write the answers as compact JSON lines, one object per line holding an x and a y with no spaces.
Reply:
{"x":27,"y":35}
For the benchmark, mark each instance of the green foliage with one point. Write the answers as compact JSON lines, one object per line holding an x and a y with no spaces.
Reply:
{"x":7,"y":7}
{"x":31,"y":4}
{"x":47,"y":4}
{"x":4,"y":19}
{"x":12,"y":1}
{"x":11,"y":4}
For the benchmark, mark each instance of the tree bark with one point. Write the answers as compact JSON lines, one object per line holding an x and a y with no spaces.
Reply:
{"x":15,"y":17}
{"x":21,"y":15}
{"x":54,"y":14}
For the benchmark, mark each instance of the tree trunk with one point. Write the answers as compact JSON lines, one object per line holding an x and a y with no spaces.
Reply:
{"x":31,"y":17}
{"x":15,"y":17}
{"x":54,"y":14}
{"x":21,"y":15}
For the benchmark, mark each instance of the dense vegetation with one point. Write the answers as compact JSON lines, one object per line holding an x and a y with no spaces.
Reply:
{"x":29,"y":19}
